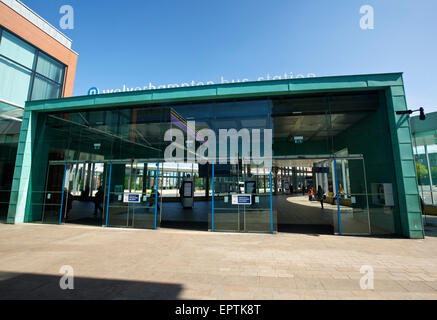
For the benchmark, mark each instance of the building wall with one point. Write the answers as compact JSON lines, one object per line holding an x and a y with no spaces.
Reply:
{"x":27,"y":71}
{"x":17,"y":24}
{"x":408,"y":190}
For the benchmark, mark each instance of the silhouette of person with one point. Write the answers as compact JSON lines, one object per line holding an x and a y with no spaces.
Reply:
{"x":320,"y":195}
{"x":98,"y":201}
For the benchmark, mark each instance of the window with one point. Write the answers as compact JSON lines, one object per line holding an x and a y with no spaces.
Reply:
{"x":14,"y":82}
{"x":26,"y":72}
{"x":17,"y":50}
{"x":49,"y":68}
{"x":43,"y":89}
{"x":426,"y":167}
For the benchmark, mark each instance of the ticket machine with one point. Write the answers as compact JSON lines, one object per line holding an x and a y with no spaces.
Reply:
{"x":286,"y":185}
{"x":187,"y":192}
{"x":250,"y":188}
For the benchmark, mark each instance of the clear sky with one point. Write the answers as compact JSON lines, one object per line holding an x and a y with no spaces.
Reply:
{"x":135,"y":42}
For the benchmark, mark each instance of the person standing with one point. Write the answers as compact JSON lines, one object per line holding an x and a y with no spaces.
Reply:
{"x":310,"y":193}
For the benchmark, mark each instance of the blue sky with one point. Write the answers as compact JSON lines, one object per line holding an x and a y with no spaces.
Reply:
{"x":135,"y":42}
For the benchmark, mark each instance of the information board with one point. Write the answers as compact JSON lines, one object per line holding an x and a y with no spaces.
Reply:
{"x":132,"y":198}
{"x":242,"y":199}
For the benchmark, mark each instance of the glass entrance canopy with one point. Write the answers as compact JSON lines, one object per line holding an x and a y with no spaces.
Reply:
{"x":227,"y":143}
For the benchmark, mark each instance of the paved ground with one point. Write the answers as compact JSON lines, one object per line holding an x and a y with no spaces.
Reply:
{"x":299,"y":210}
{"x":174,"y":264}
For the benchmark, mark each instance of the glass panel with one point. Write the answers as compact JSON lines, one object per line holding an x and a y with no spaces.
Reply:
{"x":242,"y":198}
{"x":7,"y":113}
{"x":118,"y":210}
{"x":144,"y":185}
{"x":302,"y":126}
{"x":352,"y":117}
{"x":432,"y":156}
{"x":14,"y":82}
{"x":226,"y":184}
{"x":5,"y":195}
{"x":172,"y":176}
{"x":17,"y":50}
{"x":426,"y":167}
{"x":353,"y":196}
{"x":257,"y":216}
{"x":53,"y":195}
{"x":43,"y":89}
{"x":85,"y":193}
{"x":132,"y":198}
{"x":138,"y":133}
{"x":9,"y":133}
{"x":49,"y":68}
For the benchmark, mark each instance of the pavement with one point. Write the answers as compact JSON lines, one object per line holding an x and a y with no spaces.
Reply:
{"x":177,"y":264}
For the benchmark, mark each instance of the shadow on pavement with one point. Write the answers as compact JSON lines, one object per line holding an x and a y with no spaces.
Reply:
{"x":23,"y":286}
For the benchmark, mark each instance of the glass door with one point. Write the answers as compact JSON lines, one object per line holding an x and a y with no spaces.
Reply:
{"x":351,"y":197}
{"x":132,"y":195}
{"x":242,"y":199}
{"x":258,"y":217}
{"x":226,"y":185}
{"x":54,"y":196}
{"x":143,"y":184}
{"x":117,"y":211}
{"x":84,"y":193}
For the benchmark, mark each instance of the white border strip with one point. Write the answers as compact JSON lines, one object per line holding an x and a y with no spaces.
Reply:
{"x":11,"y":104}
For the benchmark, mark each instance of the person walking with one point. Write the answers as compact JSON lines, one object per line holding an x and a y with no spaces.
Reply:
{"x":98,"y":201}
{"x":320,"y":195}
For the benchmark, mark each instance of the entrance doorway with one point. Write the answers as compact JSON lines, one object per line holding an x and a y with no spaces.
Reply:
{"x":186,"y":196}
{"x":113,"y":194}
{"x":242,"y":198}
{"x":84,"y":193}
{"x":134,"y":195}
{"x":230,"y":198}
{"x":321,"y":195}
{"x":75,"y":193}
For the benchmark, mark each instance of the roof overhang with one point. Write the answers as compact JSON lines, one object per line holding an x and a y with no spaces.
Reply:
{"x":246,"y":90}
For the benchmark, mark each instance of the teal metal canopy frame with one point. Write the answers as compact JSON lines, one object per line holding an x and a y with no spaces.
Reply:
{"x":409,"y":223}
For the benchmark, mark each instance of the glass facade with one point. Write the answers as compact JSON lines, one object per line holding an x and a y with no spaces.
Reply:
{"x":26,"y":73}
{"x":425,"y":151}
{"x":345,"y":135}
{"x":426,"y":166}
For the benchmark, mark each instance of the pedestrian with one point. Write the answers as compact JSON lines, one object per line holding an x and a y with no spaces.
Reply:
{"x":98,"y":201}
{"x":320,"y":195}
